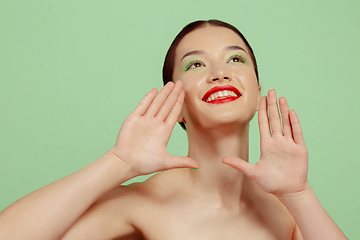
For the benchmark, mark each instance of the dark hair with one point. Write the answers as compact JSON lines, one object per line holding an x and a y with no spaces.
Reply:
{"x":168,"y":68}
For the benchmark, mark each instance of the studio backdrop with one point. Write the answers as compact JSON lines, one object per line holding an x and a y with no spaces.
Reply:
{"x":71,"y":71}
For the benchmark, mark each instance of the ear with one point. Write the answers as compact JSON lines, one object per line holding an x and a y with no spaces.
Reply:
{"x":181,"y":118}
{"x":259,"y":96}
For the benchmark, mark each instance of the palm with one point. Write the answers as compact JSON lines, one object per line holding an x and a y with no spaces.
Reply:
{"x":282,"y":167}
{"x":142,"y":140}
{"x":139,"y":140}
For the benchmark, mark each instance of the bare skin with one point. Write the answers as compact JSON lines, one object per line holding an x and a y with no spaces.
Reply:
{"x":227,"y":198}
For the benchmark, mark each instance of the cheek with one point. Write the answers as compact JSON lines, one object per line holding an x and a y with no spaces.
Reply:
{"x":253,"y":96}
{"x":192,"y":83}
{"x":248,"y":82}
{"x":247,"y":78}
{"x":192,"y":98}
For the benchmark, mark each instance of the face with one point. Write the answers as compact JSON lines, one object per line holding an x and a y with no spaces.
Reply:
{"x":218,"y":78}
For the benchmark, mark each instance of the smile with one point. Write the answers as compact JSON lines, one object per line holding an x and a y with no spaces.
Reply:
{"x":221,"y":94}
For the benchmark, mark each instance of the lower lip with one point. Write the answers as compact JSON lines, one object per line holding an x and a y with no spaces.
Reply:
{"x":223,"y":100}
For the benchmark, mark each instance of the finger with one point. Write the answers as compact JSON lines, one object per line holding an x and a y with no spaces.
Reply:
{"x":263,"y":118}
{"x":274,"y":116}
{"x":170,"y":101}
{"x":296,"y":128}
{"x":284,"y":109}
{"x":159,"y":99}
{"x":175,"y":112}
{"x":241,"y":165}
{"x":181,"y":162}
{"x":145,"y":102}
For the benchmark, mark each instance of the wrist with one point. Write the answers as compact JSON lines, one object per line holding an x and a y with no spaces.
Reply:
{"x":297,"y":197}
{"x":311,"y":218}
{"x":118,"y":165}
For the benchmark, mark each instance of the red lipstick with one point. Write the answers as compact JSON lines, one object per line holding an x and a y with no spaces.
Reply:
{"x":223,"y":99}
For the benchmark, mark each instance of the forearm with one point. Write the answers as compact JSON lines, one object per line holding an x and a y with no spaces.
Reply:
{"x":311,"y":218}
{"x":48,"y":212}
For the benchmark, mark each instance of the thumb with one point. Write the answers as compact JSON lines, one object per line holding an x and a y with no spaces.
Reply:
{"x":247,"y":168}
{"x":181,"y":162}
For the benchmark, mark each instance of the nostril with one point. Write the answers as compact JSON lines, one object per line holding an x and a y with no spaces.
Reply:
{"x":215,"y":79}
{"x":226,"y":78}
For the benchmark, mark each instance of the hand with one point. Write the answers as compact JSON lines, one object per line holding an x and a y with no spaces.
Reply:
{"x":141,"y":143}
{"x":283,"y":164}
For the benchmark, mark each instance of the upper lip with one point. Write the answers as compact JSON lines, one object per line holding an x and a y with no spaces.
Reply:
{"x":220,"y":88}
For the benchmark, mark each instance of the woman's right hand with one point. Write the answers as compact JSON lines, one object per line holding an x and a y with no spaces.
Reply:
{"x":143,"y":137}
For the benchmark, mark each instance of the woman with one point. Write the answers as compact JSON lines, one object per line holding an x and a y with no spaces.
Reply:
{"x":227,"y":198}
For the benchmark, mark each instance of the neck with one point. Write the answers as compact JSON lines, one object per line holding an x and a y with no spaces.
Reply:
{"x":216,"y":180}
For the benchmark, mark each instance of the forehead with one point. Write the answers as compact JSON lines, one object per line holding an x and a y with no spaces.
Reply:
{"x":209,"y":39}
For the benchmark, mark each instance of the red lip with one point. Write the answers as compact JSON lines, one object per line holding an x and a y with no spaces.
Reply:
{"x":221,"y":88}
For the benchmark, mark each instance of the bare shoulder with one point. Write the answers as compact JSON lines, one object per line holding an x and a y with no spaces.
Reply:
{"x":112,"y":216}
{"x":140,"y":210}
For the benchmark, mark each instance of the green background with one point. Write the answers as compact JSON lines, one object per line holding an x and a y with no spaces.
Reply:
{"x":71,"y":71}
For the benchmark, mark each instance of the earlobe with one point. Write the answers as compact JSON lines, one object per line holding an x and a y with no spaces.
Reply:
{"x":259,"y":97}
{"x":181,"y":118}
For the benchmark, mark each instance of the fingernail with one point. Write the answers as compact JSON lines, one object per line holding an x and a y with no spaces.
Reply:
{"x":195,"y":169}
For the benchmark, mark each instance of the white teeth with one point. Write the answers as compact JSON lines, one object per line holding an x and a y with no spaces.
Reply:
{"x":221,"y":94}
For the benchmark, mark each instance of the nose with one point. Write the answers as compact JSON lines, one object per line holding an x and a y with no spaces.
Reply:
{"x":217,"y":79}
{"x":220,"y":74}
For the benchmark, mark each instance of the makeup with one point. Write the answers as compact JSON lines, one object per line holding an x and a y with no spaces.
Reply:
{"x":192,"y":64}
{"x":221,"y":94}
{"x":236,"y":58}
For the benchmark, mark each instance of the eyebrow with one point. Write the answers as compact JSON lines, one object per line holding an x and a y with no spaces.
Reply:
{"x":196,"y":52}
{"x":235,"y":48}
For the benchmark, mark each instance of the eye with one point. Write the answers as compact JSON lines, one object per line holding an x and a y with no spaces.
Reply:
{"x":195,"y":64}
{"x":236,"y":59}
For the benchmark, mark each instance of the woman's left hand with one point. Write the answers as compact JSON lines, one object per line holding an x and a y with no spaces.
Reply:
{"x":283,"y":165}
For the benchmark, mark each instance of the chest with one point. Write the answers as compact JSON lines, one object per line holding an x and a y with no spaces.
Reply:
{"x":190,"y":224}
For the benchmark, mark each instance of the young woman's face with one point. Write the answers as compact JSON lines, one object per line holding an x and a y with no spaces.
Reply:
{"x":218,"y":76}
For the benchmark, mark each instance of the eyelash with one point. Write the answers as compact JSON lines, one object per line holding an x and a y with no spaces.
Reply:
{"x":241,"y":58}
{"x":188,"y":67}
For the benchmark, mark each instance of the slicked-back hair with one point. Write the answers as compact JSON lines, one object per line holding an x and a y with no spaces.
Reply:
{"x":168,"y":67}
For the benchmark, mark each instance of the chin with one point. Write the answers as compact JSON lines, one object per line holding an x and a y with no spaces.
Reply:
{"x":226,"y":123}
{"x":230,"y":116}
